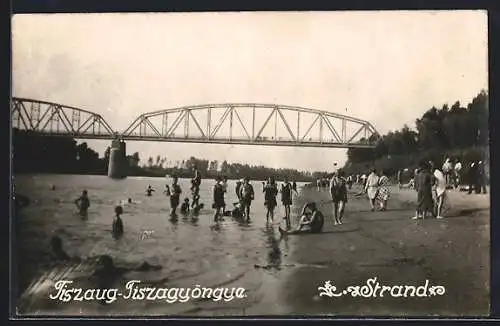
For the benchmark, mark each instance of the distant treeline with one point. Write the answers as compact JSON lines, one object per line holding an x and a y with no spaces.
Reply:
{"x":34,"y":153}
{"x":229,"y":170}
{"x":460,"y":133}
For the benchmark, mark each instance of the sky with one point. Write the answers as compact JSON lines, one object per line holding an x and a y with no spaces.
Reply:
{"x":387,"y":68}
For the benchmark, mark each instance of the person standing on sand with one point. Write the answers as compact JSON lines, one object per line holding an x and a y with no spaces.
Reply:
{"x":175,"y":196}
{"x":400,"y":178}
{"x":286,"y":200}
{"x":482,"y":177}
{"x":423,"y":185}
{"x":447,"y":170}
{"x":383,"y":190}
{"x":338,"y":191}
{"x":311,"y":221}
{"x":458,"y":173}
{"x":371,"y":188}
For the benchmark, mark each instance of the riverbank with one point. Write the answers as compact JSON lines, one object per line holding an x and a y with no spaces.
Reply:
{"x":453,"y":252}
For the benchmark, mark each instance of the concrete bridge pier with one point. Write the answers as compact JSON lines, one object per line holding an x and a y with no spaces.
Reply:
{"x":117,"y":166}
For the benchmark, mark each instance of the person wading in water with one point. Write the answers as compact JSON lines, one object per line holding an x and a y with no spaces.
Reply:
{"x":117,"y":228}
{"x":218,"y":204}
{"x":175,"y":196}
{"x":338,"y":190}
{"x":270,"y":192}
{"x":239,"y":183}
{"x":286,"y":200}
{"x":247,"y":195}
{"x":83,"y":203}
{"x":311,"y":221}
{"x":149,"y":191}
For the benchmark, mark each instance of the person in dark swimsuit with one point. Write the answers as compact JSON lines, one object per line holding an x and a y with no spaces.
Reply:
{"x":423,"y":185}
{"x":83,"y":203}
{"x":338,"y":192}
{"x":117,"y":229}
{"x":239,"y":183}
{"x":218,"y":199}
{"x":247,"y":195}
{"x":175,"y":196}
{"x":270,"y":192}
{"x":286,"y":200}
{"x":149,"y":191}
{"x":311,"y":221}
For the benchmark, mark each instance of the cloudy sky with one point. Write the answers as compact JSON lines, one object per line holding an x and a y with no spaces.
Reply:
{"x":383,"y":67}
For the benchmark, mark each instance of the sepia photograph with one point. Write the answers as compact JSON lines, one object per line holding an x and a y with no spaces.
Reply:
{"x":214,"y":164}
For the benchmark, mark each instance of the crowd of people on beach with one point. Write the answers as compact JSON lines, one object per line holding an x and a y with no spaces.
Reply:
{"x":430,"y":181}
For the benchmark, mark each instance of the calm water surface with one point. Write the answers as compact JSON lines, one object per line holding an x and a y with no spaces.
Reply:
{"x":189,"y":250}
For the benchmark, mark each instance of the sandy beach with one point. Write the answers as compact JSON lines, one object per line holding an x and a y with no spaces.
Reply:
{"x":453,"y":252}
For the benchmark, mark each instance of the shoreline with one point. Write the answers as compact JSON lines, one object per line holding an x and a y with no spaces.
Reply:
{"x":389,"y":246}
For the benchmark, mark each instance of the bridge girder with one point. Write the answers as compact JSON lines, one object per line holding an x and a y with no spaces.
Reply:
{"x":250,"y":133}
{"x":49,"y":118}
{"x":56,"y":119}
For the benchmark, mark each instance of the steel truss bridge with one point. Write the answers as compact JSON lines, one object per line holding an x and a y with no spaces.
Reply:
{"x":230,"y":123}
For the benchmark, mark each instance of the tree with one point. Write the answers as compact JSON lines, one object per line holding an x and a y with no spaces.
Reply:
{"x":150,"y":162}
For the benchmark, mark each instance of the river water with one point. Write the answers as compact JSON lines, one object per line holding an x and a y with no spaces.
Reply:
{"x":190,"y":251}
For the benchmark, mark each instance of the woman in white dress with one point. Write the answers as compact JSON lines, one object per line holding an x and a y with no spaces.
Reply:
{"x":371,"y":188}
{"x":439,"y":190}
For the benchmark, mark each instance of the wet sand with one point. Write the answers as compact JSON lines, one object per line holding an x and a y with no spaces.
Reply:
{"x":453,"y":252}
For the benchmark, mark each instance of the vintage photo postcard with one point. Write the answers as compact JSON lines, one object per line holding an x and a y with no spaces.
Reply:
{"x":250,"y":164}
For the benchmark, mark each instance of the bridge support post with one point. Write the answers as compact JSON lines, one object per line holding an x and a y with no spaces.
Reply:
{"x":117,"y":166}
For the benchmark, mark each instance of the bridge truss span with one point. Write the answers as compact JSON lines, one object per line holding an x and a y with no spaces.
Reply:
{"x":252,"y":123}
{"x":56,"y":119}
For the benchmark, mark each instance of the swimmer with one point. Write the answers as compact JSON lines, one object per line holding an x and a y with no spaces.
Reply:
{"x":83,"y":203}
{"x":58,"y":251}
{"x":312,"y":221}
{"x":117,"y":229}
{"x":149,"y":191}
{"x":52,"y":187}
{"x":196,"y":210}
{"x":166,"y":192}
{"x":129,"y":201}
{"x":236,"y":212}
{"x":185,"y":207}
